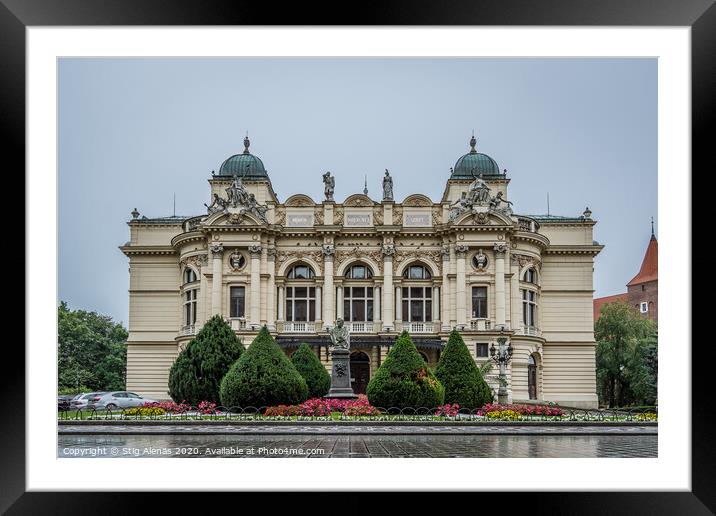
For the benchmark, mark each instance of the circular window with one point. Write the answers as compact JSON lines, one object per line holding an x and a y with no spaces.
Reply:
{"x":237,"y":260}
{"x":479,"y":261}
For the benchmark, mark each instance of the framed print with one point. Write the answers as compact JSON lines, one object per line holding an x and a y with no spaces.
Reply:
{"x":429,"y":238}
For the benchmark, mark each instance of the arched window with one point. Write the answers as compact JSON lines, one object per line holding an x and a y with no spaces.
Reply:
{"x":189,"y":275}
{"x":531,"y":276}
{"x":359,"y":271}
{"x":417,"y":272}
{"x":301,"y":271}
{"x":532,"y":377}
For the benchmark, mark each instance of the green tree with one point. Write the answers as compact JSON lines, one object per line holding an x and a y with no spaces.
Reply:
{"x":263,"y":376}
{"x":620,"y":332}
{"x":91,"y":350}
{"x":642,"y":371}
{"x":460,"y":375}
{"x":404,"y":379}
{"x":309,"y":366}
{"x":197,"y":371}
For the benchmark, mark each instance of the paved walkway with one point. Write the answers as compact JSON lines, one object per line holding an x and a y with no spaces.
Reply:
{"x":343,"y":429}
{"x":320,"y":445}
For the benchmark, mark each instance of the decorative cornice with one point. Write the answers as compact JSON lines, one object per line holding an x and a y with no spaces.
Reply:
{"x":131,"y":249}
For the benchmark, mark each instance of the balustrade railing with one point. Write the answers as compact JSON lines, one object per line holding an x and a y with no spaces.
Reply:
{"x":420,"y":327}
{"x":361,"y":326}
{"x":298,"y":327}
{"x":481,"y":324}
{"x":238,"y":324}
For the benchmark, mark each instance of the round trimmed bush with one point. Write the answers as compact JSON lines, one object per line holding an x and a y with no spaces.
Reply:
{"x":404,"y":379}
{"x":197,"y":371}
{"x":263,"y":376}
{"x":309,"y":366}
{"x":460,"y":375}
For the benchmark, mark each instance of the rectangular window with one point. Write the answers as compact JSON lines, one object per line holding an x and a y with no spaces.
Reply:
{"x":358,"y":304}
{"x":190,"y":307}
{"x":417,"y":304}
{"x":529,"y":308}
{"x":301,"y":304}
{"x":644,"y":307}
{"x":481,"y":349}
{"x":237,"y":301}
{"x":479,"y":302}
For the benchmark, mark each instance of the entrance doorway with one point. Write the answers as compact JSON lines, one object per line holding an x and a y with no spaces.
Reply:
{"x":532,"y":377}
{"x":360,"y":372}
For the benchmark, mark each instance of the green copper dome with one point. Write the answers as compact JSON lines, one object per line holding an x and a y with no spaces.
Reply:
{"x":475,"y":163}
{"x":244,"y":165}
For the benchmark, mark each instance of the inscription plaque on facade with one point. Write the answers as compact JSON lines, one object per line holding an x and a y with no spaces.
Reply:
{"x":416,"y":219}
{"x":359,"y":219}
{"x":299,"y":220}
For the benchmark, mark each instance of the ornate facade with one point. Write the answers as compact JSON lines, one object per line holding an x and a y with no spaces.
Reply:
{"x":467,"y":261}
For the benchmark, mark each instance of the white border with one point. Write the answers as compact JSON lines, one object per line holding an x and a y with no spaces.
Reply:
{"x":670,"y":471}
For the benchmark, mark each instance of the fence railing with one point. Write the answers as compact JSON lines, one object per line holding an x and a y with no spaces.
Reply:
{"x":637,"y":415}
{"x":481,"y":324}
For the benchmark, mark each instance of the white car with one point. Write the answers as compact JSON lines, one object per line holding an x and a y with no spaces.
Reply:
{"x":118,"y":400}
{"x":81,"y":400}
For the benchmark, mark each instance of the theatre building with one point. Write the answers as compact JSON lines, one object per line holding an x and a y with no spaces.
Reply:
{"x":468,"y":260}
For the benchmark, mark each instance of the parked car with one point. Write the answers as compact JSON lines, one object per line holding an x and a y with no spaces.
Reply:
{"x":82,"y":400}
{"x":63,"y":401}
{"x":118,"y":400}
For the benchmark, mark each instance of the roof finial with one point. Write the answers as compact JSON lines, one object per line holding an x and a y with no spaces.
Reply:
{"x":473,"y":142}
{"x":652,"y":228}
{"x":246,"y":143}
{"x":365,"y":185}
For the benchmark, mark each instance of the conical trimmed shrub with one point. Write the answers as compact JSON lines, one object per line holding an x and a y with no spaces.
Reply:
{"x":404,"y":379}
{"x":309,"y":366}
{"x":460,"y":376}
{"x":198,"y":369}
{"x":263,"y":376}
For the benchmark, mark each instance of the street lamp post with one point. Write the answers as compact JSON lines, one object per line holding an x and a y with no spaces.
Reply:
{"x":502,"y":356}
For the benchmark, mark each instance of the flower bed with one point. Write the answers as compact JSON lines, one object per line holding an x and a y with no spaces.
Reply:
{"x":516,"y":412}
{"x":324,"y":407}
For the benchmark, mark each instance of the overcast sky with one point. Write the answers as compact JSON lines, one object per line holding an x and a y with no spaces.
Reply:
{"x":134,"y":132}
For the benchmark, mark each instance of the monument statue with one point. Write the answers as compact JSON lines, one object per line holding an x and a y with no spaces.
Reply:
{"x":340,"y":335}
{"x":238,"y":202}
{"x":330,"y":183}
{"x":387,"y":186}
{"x":341,"y":358}
{"x":497,"y":202}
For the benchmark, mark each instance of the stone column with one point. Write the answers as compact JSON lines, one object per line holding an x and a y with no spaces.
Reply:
{"x":436,"y":305}
{"x":217,"y":254}
{"x":328,"y":290}
{"x":398,"y":308}
{"x":376,"y":306}
{"x":388,"y":252}
{"x":515,"y":300}
{"x":255,"y":288}
{"x":280,"y":303}
{"x":460,"y":299}
{"x":339,"y":302}
{"x":500,"y":250}
{"x":318,"y":304}
{"x":271,"y":289}
{"x":445,"y":299}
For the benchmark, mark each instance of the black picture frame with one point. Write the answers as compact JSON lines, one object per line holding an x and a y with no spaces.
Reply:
{"x":700,"y":15}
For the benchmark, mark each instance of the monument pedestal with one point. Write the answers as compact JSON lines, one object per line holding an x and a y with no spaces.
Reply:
{"x":341,"y":375}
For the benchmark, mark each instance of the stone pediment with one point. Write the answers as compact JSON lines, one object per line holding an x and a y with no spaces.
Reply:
{"x":483,"y":216}
{"x":234,"y":217}
{"x":358,"y":200}
{"x":299,"y":201}
{"x":417,"y":200}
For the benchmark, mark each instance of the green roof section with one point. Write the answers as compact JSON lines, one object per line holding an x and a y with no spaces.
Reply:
{"x":173,"y":219}
{"x":555,"y":218}
{"x":244,"y":165}
{"x":474,"y":164}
